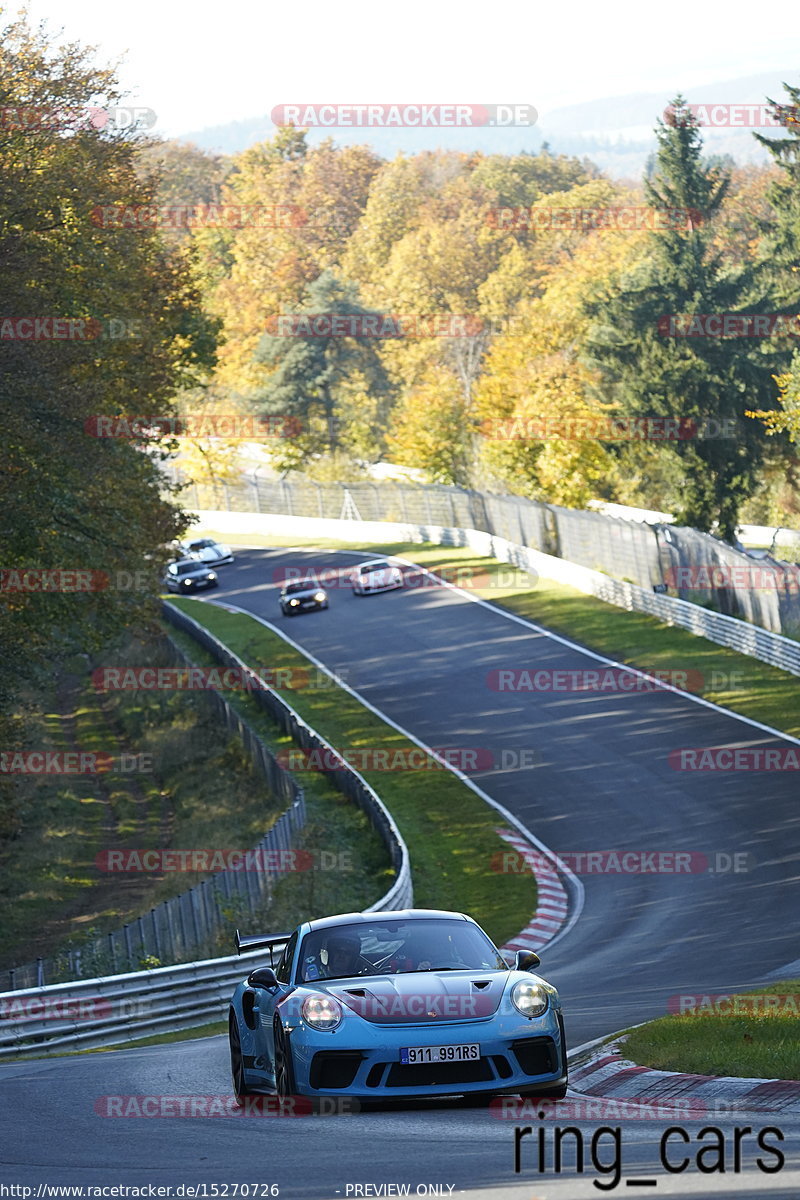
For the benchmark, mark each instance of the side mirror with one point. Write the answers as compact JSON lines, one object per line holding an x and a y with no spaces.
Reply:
{"x":526,"y":960}
{"x":263,"y":977}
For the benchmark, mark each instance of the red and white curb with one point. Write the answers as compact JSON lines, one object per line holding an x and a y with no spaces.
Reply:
{"x":552,"y":905}
{"x":608,"y":1075}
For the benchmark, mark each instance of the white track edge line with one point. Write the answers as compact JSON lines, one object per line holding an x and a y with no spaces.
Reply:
{"x":574,"y":881}
{"x":556,"y":637}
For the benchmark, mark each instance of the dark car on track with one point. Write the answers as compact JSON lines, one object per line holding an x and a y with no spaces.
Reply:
{"x":189,"y":575}
{"x":302,"y":596}
{"x":392,"y":1005}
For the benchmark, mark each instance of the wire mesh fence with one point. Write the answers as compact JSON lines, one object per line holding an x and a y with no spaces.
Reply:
{"x":192,"y":924}
{"x":343,"y":777}
{"x":652,"y":555}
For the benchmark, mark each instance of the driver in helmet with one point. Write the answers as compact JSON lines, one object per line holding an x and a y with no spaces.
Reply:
{"x":344,"y":956}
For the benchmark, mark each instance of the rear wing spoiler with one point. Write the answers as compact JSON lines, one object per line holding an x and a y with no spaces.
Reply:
{"x":243,"y":944}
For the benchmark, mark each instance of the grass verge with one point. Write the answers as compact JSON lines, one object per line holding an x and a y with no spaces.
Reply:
{"x":210,"y":1029}
{"x":199,"y":791}
{"x":750,"y":1035}
{"x":735,"y":681}
{"x":449,"y":830}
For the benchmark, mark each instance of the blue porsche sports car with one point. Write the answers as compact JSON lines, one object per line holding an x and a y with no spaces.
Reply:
{"x":389,"y":1005}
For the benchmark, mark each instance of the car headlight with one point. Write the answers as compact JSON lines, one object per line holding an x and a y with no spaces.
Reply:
{"x":212,"y":575}
{"x":319,"y":597}
{"x":529,"y":998}
{"x":293,"y":603}
{"x":322,"y":1012}
{"x":187,"y":582}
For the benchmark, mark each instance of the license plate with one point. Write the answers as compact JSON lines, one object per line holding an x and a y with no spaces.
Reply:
{"x":437,"y":1054}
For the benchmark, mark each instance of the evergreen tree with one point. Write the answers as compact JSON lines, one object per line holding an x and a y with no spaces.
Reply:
{"x":707,"y":383}
{"x":314,"y":374}
{"x":781,"y":255}
{"x":781,"y":252}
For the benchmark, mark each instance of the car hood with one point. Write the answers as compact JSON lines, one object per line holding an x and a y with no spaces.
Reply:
{"x":422,"y":996}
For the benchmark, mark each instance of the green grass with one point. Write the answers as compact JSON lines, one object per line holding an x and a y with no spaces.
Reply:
{"x":449,"y":830}
{"x":203,"y":792}
{"x":210,"y":1029}
{"x":334,"y":825}
{"x":735,"y":681}
{"x":752,"y":1044}
{"x":49,"y":883}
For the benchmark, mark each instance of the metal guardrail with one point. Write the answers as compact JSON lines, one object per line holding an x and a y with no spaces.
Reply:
{"x":735,"y":634}
{"x":112,"y":1010}
{"x":727,"y":631}
{"x":694,"y":565}
{"x":344,"y":777}
{"x":91,"y":1013}
{"x":738,"y":635}
{"x":189,"y":925}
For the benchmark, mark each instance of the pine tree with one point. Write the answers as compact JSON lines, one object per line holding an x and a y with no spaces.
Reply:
{"x":707,"y":383}
{"x":782,"y":240}
{"x":313,"y":373}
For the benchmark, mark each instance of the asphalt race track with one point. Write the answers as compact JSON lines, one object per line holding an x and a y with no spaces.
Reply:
{"x":600,"y":780}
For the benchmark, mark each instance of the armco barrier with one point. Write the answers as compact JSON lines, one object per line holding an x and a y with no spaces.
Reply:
{"x":189,"y":925}
{"x":155,"y":1001}
{"x":120,"y":1008}
{"x":347,"y":780}
{"x":649,"y":553}
{"x":738,"y":635}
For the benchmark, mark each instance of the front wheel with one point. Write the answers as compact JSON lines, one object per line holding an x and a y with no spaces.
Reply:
{"x":240,"y":1088}
{"x":284,"y":1067}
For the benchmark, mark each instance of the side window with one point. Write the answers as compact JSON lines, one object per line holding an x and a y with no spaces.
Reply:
{"x":285,"y":965}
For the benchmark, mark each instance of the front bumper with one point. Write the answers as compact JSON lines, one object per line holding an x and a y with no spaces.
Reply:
{"x":367,"y":590}
{"x":515,"y":1054}
{"x":304,"y":606}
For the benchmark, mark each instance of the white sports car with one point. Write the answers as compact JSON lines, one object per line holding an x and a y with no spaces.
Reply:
{"x":208,"y":551}
{"x":377,"y":575}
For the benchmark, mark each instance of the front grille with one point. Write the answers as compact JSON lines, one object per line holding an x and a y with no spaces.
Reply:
{"x":447,"y":1074}
{"x":334,"y":1068}
{"x":536,"y":1056}
{"x":376,"y":1074}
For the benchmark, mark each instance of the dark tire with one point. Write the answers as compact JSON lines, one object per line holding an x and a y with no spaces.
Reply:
{"x":240,"y":1088}
{"x":284,"y":1067}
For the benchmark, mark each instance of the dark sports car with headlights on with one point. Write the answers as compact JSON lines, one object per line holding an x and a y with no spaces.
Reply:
{"x":389,"y":1005}
{"x":301,"y":596}
{"x":189,"y":575}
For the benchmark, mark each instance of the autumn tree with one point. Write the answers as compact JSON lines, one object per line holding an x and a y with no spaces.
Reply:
{"x":131,"y":333}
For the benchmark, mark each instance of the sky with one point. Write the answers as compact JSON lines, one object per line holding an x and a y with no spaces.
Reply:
{"x":200,"y":66}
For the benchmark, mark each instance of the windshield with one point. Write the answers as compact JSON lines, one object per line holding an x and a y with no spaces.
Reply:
{"x":378,"y":566}
{"x":186,"y":568}
{"x":202,"y":545}
{"x":396,"y":947}
{"x":305,"y":586}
